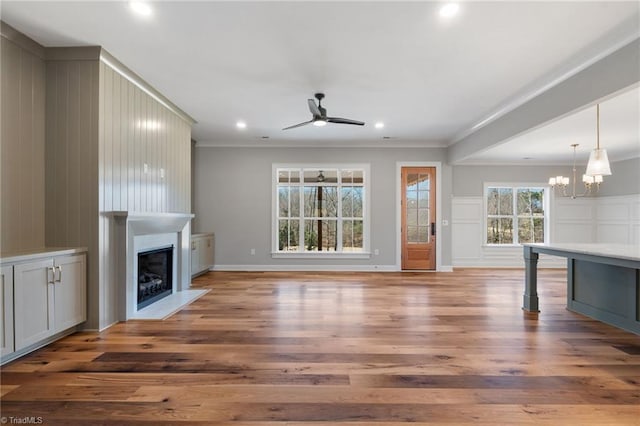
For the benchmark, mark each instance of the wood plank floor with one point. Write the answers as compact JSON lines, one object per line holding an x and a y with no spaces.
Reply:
{"x":341,"y":348}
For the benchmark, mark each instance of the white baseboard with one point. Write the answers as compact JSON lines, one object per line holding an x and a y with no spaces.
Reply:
{"x":311,"y":268}
{"x":319,"y":268}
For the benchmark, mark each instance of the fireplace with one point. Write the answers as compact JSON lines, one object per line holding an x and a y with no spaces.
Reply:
{"x":138,"y":233}
{"x":155,"y":275}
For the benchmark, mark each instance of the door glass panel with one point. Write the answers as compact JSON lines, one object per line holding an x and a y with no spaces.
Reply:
{"x":423,"y":199}
{"x":412,"y":234}
{"x":423,"y":217}
{"x":412,"y":217}
{"x":412,"y":182}
{"x":423,"y":182}
{"x":417,"y":193}
{"x":423,"y":234}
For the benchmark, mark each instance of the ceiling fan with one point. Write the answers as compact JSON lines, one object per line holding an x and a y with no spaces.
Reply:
{"x":320,"y":115}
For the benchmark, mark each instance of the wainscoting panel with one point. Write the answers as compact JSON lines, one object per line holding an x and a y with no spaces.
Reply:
{"x":614,"y":220}
{"x":572,"y":220}
{"x":618,"y":219}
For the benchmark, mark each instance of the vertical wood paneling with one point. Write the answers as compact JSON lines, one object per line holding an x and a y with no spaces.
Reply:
{"x":116,"y":123}
{"x":124,"y":143}
{"x":136,"y":129}
{"x":73,"y":154}
{"x":101,"y":130}
{"x":24,"y":157}
{"x":72,"y":184}
{"x":38,"y":161}
{"x":22,"y":149}
{"x":107,"y":123}
{"x":132,"y":144}
{"x":10,"y":144}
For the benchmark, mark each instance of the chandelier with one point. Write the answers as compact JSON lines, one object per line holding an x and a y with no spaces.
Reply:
{"x":597,"y":167}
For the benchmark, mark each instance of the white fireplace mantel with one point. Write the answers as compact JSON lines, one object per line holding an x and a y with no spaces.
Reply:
{"x":127,"y":228}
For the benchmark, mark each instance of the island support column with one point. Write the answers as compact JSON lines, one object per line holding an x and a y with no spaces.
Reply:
{"x":530,"y":298}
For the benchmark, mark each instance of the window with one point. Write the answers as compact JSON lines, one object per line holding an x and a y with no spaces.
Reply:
{"x":320,"y":209}
{"x":515,"y":215}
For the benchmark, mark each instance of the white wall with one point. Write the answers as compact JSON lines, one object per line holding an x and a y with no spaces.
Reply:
{"x":614,"y":220}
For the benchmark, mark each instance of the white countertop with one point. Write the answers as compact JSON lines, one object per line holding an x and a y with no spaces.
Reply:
{"x":202,"y":234}
{"x":619,"y":251}
{"x":38,"y":253}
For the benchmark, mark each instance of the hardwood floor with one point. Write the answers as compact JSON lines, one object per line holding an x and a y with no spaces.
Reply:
{"x":341,"y":348}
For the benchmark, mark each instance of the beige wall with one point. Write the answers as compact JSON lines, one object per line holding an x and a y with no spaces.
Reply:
{"x":22,"y":156}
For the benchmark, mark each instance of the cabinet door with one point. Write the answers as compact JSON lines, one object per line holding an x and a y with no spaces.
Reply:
{"x":207,"y":255}
{"x":204,"y":243}
{"x":6,"y":310}
{"x":195,"y":256}
{"x":33,"y":302}
{"x":70,"y":285}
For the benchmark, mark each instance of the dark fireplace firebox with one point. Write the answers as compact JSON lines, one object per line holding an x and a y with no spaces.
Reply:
{"x":155,"y":275}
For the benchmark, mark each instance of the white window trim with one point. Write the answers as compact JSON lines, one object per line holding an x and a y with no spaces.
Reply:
{"x":547,"y":209}
{"x":366,"y":214}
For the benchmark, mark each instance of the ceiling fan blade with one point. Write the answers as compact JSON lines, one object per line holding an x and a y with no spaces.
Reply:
{"x":315,"y":111}
{"x":298,"y":125}
{"x":344,"y":121}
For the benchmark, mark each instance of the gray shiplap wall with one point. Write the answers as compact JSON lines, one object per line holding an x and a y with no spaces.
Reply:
{"x":72,"y":162}
{"x":22,"y":163}
{"x":135,"y":129}
{"x":101,"y":131}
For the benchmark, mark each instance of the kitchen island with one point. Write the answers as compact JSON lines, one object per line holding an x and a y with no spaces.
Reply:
{"x":603,"y":281}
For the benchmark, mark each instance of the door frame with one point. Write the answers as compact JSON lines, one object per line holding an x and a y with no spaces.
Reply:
{"x":438,"y":167}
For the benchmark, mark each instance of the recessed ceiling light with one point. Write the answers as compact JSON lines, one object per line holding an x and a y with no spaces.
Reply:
{"x":241,"y":125}
{"x":379,"y":125}
{"x":449,"y":10}
{"x":140,"y":7}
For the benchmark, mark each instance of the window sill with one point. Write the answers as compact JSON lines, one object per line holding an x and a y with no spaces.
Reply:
{"x":501,"y":245}
{"x":318,"y":255}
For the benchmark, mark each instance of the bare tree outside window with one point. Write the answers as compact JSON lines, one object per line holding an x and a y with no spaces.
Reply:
{"x":320,"y":210}
{"x":515,"y":215}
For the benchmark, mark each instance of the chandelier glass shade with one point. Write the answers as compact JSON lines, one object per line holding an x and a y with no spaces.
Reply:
{"x":598,"y":164}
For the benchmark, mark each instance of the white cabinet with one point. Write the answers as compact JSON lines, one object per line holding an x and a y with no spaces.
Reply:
{"x":49,"y":297}
{"x":33,"y":302}
{"x":6,"y":310}
{"x":201,"y":253}
{"x":70,"y":292}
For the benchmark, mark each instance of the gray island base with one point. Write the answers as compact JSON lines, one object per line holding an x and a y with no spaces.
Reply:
{"x":603,"y":281}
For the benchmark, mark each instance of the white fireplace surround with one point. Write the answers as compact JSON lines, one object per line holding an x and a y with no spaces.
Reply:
{"x":136,"y":232}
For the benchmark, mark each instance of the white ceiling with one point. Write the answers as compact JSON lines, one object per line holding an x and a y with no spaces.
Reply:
{"x":551,"y":144}
{"x":429,"y":80}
